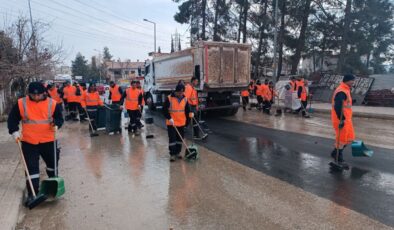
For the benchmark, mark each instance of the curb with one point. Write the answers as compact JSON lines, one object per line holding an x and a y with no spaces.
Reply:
{"x":359,"y":114}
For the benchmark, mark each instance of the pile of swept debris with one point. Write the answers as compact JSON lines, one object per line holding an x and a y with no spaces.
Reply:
{"x":373,"y":90}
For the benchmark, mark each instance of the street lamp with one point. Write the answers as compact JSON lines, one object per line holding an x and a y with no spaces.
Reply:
{"x":154,"y":24}
{"x":99,"y":61}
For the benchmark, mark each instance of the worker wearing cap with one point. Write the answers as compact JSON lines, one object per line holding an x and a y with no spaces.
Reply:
{"x":265,"y":95}
{"x":139,"y":123}
{"x":39,"y":115}
{"x":341,"y":116}
{"x":115,"y":93}
{"x":53,"y":92}
{"x":132,"y":98}
{"x":176,"y":110}
{"x":192,"y":99}
{"x":302,"y":96}
{"x":245,"y":98}
{"x":90,"y":102}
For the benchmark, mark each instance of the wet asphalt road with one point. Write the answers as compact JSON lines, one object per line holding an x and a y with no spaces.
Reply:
{"x":302,"y":160}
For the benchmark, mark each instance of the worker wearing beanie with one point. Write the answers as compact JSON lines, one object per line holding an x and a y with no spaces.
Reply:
{"x":176,"y":110}
{"x":341,"y":116}
{"x":39,"y":115}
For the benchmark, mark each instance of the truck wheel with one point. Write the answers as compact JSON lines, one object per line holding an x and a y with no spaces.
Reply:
{"x":150,"y":103}
{"x":231,"y":112}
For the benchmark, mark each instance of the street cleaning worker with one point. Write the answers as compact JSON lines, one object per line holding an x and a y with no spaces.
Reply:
{"x":265,"y":95}
{"x":245,"y":98}
{"x":271,"y":93}
{"x":90,"y":102}
{"x":80,"y":90}
{"x":259,"y":94}
{"x":341,"y":116}
{"x":53,"y":92}
{"x":70,"y":97}
{"x":192,"y":99}
{"x":39,"y":115}
{"x":177,"y":112}
{"x":302,"y":96}
{"x":115,"y":93}
{"x":133,"y":102}
{"x":139,"y":123}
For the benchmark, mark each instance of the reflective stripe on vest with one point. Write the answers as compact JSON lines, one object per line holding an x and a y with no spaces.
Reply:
{"x":26,"y":119}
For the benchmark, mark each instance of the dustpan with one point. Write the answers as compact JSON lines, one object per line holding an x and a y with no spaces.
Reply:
{"x":53,"y":186}
{"x":191,"y":153}
{"x":360,"y":150}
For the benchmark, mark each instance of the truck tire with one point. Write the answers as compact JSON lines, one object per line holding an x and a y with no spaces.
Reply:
{"x":149,"y":101}
{"x":230,"y":112}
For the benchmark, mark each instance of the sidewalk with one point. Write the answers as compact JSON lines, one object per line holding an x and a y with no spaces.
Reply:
{"x":359,"y":111}
{"x":11,"y":180}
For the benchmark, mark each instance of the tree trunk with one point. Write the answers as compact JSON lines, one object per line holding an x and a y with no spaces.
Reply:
{"x":245,"y":17}
{"x":240,"y":23}
{"x":204,"y":18}
{"x":261,"y":35}
{"x":301,"y":39}
{"x":344,"y":41}
{"x":368,"y":59}
{"x":281,"y":38}
{"x":215,"y":23}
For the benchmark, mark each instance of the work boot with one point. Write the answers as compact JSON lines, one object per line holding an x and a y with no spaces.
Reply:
{"x":28,"y":199}
{"x":306,"y":116}
{"x":179,"y":156}
{"x":172,"y":158}
{"x":340,"y":157}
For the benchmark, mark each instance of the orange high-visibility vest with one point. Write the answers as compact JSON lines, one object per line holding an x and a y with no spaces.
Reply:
{"x":177,"y":111}
{"x":132,"y":99}
{"x":259,"y":91}
{"x":37,"y":119}
{"x":264,"y":91}
{"x":303,"y":93}
{"x":91,"y":99}
{"x":245,"y":93}
{"x":346,"y":135}
{"x":70,"y":93}
{"x":115,"y":95}
{"x":271,"y":93}
{"x":293,"y":86}
{"x":54,"y":95}
{"x":191,"y":95}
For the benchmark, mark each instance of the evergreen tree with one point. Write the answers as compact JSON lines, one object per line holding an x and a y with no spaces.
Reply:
{"x":107,"y":55}
{"x":80,"y":67}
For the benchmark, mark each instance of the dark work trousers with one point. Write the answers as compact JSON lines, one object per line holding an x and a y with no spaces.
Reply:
{"x":174,"y":140}
{"x":82,"y":114}
{"x":196,"y":130}
{"x":304,"y":104}
{"x":138,"y":122}
{"x":245,"y":102}
{"x":259,"y":102}
{"x":134,"y":117}
{"x":266,"y":107}
{"x":92,"y":112}
{"x":72,"y":110}
{"x":32,"y":155}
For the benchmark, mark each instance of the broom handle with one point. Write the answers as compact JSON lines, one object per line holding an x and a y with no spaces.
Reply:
{"x":54,"y":151}
{"x":183,"y":141}
{"x":339,"y":131}
{"x":26,"y":170}
{"x":202,"y":131}
{"x":90,"y":122}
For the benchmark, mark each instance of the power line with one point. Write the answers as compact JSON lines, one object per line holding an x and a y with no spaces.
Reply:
{"x":93,"y":17}
{"x":102,"y":33}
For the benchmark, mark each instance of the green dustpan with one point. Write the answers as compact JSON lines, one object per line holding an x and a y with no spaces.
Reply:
{"x":191,"y":153}
{"x":53,"y":187}
{"x":360,"y":150}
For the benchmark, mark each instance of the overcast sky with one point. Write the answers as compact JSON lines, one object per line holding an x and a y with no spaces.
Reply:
{"x":88,"y":25}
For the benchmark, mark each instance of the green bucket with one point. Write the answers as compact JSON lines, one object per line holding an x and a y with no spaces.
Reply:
{"x":360,"y":150}
{"x":53,"y":187}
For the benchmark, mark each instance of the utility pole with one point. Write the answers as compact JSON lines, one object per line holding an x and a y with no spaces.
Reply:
{"x":274,"y":74}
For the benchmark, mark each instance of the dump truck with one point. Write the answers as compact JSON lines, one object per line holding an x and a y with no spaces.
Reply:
{"x":223,"y":69}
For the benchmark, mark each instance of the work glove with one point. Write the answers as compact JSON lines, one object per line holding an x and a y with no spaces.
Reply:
{"x":17,"y":136}
{"x":191,"y":115}
{"x":341,"y":124}
{"x":172,"y":122}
